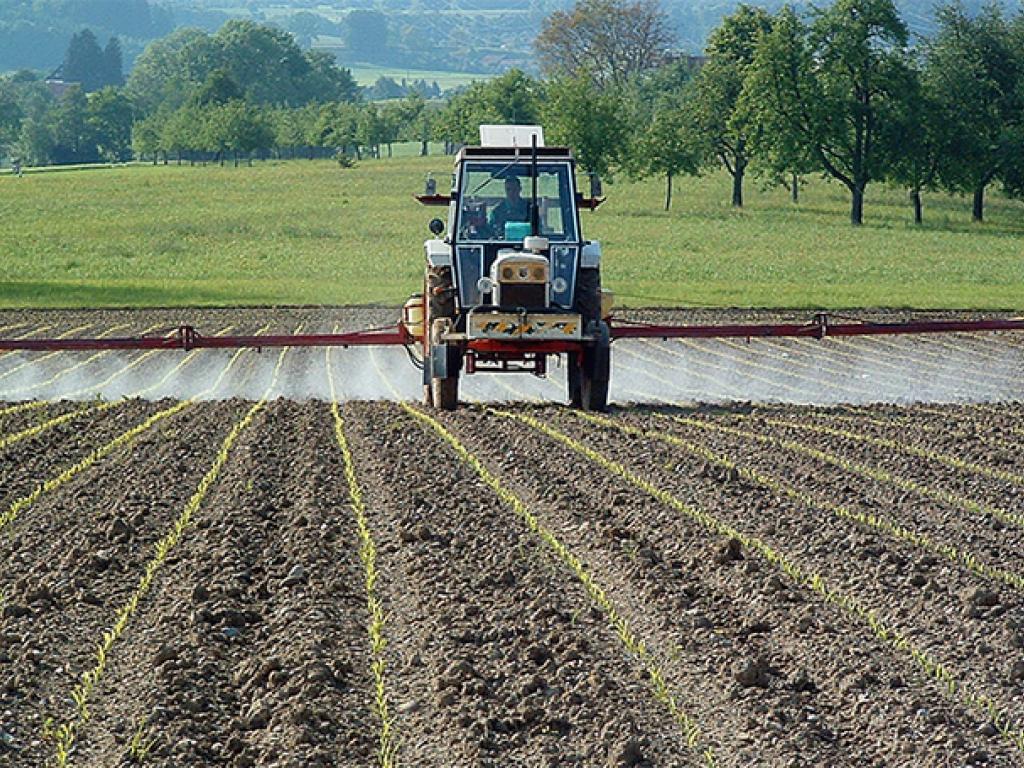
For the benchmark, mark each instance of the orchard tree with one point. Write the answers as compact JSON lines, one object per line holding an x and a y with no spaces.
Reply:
{"x":829,"y":90}
{"x":591,"y":120}
{"x":717,"y":125}
{"x":667,"y":147}
{"x":607,"y":41}
{"x":975,"y":69}
{"x":109,"y":118}
{"x":917,"y":140}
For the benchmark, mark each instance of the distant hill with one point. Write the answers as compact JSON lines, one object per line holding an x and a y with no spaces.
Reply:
{"x":452,"y":35}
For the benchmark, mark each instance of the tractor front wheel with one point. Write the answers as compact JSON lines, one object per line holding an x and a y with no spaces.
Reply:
{"x":443,"y":390}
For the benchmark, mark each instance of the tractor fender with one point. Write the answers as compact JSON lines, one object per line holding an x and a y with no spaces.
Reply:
{"x":439,"y":253}
{"x":590,"y":257}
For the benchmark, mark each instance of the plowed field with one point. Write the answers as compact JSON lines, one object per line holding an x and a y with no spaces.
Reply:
{"x":206,"y":573}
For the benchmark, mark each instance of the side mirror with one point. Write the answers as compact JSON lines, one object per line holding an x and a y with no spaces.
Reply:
{"x":430,"y":188}
{"x":436,"y":226}
{"x":595,"y":185}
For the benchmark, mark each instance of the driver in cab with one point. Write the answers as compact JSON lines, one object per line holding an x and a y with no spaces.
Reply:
{"x":513,"y":208}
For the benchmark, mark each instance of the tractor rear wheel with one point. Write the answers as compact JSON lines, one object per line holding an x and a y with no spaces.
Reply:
{"x":588,"y":295}
{"x":595,"y":373}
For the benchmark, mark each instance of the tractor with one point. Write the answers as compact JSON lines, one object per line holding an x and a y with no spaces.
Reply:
{"x":512,"y":282}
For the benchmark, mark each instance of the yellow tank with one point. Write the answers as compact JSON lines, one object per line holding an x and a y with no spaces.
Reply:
{"x":412,"y":315}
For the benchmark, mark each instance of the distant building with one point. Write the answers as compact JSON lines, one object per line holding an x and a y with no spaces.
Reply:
{"x":59,"y":87}
{"x":57,"y":84}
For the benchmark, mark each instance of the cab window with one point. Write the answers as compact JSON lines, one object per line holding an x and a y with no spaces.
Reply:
{"x":496,"y":202}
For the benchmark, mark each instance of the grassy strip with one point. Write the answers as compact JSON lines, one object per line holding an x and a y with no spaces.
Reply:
{"x":899,"y":641}
{"x":869,"y":520}
{"x":878,"y":475}
{"x":635,"y":646}
{"x":65,"y":734}
{"x":19,"y":505}
{"x":952,"y":462}
{"x":387,"y":752}
{"x":180,"y":236}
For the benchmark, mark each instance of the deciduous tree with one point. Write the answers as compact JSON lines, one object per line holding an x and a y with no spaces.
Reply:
{"x":608,"y":41}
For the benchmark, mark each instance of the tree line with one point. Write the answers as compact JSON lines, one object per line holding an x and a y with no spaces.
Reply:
{"x":839,"y":92}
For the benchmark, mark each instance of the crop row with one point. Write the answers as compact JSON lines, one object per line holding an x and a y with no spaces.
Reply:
{"x":387,"y":742}
{"x":66,"y":733}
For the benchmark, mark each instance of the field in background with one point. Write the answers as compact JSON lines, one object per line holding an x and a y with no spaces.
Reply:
{"x":367,"y":74}
{"x":311,"y":233}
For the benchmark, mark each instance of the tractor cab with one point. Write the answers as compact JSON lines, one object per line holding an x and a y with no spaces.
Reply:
{"x":512,"y":282}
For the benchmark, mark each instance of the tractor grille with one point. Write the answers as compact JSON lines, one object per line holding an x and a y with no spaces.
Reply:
{"x":524,"y":295}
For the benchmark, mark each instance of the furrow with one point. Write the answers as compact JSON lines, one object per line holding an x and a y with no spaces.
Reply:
{"x":17,"y":507}
{"x":881,"y":523}
{"x":874,"y":473}
{"x":954,"y":462}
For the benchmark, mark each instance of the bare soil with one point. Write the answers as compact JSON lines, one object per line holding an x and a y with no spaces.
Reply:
{"x":251,"y":646}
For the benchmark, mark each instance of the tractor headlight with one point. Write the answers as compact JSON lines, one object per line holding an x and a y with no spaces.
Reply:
{"x":559,"y":285}
{"x":485,"y":284}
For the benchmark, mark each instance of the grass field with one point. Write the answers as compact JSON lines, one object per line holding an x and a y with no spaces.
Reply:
{"x":368,"y":74}
{"x":310,"y":233}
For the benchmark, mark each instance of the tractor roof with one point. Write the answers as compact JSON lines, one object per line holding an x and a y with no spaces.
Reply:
{"x":507,"y":153}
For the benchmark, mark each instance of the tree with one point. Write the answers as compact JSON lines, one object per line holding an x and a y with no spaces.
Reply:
{"x":591,"y":120}
{"x":712,"y":107}
{"x":512,"y":98}
{"x":35,"y":143}
{"x":109,"y":117}
{"x":667,"y":146}
{"x":609,"y":41}
{"x":84,"y":62}
{"x":218,"y":88}
{"x":113,"y":63}
{"x":72,"y":135}
{"x":167,"y":71}
{"x":974,"y":67}
{"x":829,"y":90}
{"x":917,"y":140}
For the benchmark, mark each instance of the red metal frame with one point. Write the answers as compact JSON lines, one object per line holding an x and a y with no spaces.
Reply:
{"x":187,"y":338}
{"x":819,"y":328}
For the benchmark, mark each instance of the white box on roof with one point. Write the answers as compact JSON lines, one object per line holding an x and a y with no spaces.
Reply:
{"x":511,"y":135}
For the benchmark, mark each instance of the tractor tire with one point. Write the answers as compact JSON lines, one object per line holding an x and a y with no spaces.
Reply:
{"x":440,"y":293}
{"x":444,"y":392}
{"x":588,"y":296}
{"x":439,"y":290}
{"x":574,"y":379}
{"x":595,"y":373}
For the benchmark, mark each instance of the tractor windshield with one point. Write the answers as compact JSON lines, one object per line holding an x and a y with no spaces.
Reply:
{"x":496,"y":202}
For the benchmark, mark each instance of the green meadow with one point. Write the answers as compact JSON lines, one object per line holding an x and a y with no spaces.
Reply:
{"x":300,"y":232}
